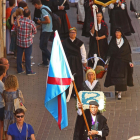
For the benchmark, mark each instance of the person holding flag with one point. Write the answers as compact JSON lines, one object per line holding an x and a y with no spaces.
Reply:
{"x":58,"y":80}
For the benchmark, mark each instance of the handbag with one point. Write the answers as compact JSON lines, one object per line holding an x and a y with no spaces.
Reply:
{"x":18,"y":103}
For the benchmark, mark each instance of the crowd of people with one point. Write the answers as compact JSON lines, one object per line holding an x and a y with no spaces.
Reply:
{"x":116,"y":56}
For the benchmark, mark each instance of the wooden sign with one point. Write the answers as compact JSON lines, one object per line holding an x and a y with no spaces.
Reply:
{"x":104,"y":2}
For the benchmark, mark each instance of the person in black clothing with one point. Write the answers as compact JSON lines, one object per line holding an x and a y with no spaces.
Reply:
{"x":89,"y":16}
{"x":91,"y":84}
{"x":96,"y":121}
{"x":60,"y":10}
{"x":119,"y":18}
{"x":76,"y":56}
{"x":102,"y":39}
{"x":119,"y":63}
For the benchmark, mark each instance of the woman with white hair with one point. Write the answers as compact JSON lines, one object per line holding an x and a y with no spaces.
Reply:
{"x":91,"y":84}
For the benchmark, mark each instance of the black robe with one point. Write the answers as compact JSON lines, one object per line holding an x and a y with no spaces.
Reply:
{"x":80,"y":132}
{"x":119,"y":71}
{"x":103,"y":44}
{"x":64,"y":30}
{"x":73,"y":54}
{"x":120,"y":18}
{"x":37,"y":12}
{"x":88,"y":18}
{"x":96,"y":88}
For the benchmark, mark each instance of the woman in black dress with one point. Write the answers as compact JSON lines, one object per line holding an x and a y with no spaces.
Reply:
{"x":120,"y":67}
{"x":60,"y":10}
{"x":102,"y":39}
{"x":119,"y":18}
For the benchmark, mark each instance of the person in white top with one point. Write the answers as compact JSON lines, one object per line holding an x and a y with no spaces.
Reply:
{"x":119,"y":18}
{"x":97,"y":124}
{"x":76,"y":55}
{"x":119,"y":63}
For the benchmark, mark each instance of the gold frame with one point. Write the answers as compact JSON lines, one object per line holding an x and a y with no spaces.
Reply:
{"x":104,"y":4}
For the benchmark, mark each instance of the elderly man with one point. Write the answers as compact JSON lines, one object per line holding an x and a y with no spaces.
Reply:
{"x":76,"y":55}
{"x":97,"y":124}
{"x":5,"y":62}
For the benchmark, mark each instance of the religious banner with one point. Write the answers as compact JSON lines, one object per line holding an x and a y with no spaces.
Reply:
{"x":87,"y":96}
{"x":104,"y":2}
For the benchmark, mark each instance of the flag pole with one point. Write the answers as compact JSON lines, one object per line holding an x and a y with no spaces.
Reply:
{"x":81,"y":108}
{"x":98,"y":44}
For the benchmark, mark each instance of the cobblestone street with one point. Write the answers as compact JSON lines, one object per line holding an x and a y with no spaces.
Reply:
{"x":123,"y":116}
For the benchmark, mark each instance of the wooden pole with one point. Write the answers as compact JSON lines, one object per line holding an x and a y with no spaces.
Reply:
{"x":98,"y":44}
{"x":81,"y":108}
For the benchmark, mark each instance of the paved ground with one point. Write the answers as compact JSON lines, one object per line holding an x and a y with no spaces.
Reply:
{"x":123,"y":116}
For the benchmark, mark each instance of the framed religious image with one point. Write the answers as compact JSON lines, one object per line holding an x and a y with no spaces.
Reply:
{"x":87,"y":96}
{"x":104,"y":2}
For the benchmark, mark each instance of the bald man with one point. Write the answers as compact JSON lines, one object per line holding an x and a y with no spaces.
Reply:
{"x":5,"y":62}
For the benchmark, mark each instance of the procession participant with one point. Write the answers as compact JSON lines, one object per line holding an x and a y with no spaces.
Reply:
{"x":97,"y":124}
{"x":91,"y":84}
{"x":60,"y":10}
{"x":80,"y":12}
{"x":119,"y":18}
{"x":135,"y":7}
{"x":120,"y":67}
{"x":76,"y":55}
{"x":102,"y":39}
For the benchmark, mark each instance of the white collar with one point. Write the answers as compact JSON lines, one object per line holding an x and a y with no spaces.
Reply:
{"x":72,"y":39}
{"x":99,"y":26}
{"x":93,"y":117}
{"x":117,"y":1}
{"x":120,"y":42}
{"x":91,"y":86}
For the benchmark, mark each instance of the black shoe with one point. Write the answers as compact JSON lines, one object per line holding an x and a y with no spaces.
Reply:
{"x":41,"y":64}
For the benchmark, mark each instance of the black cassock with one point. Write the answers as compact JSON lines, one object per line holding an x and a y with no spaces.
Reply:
{"x":64,"y":30}
{"x":37,"y":12}
{"x":73,"y":54}
{"x":88,"y":17}
{"x":103,"y":44}
{"x":119,"y":71}
{"x":80,"y":132}
{"x":120,"y":18}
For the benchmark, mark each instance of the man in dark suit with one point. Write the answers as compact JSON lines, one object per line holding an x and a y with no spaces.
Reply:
{"x":97,"y":124}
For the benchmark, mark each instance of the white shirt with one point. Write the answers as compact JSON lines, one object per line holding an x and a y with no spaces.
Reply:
{"x":120,"y":42}
{"x":91,"y":86}
{"x":79,"y":111}
{"x":111,"y":6}
{"x":83,"y":52}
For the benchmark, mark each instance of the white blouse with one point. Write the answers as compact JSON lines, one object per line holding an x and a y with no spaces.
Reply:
{"x":120,"y":42}
{"x":91,"y":86}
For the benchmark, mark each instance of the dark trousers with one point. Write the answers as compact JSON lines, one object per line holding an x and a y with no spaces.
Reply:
{"x":44,"y":38}
{"x":28,"y":52}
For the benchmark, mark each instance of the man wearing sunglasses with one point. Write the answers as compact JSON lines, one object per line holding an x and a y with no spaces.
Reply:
{"x":20,"y":130}
{"x":76,"y":55}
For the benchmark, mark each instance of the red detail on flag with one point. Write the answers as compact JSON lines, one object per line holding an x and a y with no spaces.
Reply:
{"x":59,"y":81}
{"x":54,"y":34}
{"x":59,"y":112}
